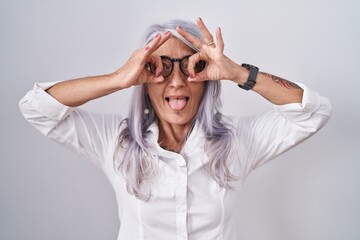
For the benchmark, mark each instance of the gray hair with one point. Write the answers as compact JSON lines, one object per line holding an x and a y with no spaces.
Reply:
{"x":136,"y":157}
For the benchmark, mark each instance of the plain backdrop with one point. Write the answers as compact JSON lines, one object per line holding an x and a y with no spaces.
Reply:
{"x":311,"y":192}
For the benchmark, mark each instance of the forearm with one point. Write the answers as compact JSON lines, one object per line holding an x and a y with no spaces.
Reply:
{"x":76,"y":92}
{"x":275,"y":89}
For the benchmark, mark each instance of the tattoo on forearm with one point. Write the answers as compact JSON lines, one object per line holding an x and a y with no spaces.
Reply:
{"x":282,"y":82}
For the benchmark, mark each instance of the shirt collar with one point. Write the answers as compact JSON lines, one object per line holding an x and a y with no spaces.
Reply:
{"x":191,"y":143}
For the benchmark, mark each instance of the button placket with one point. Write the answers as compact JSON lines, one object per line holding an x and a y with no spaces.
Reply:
{"x":181,"y":198}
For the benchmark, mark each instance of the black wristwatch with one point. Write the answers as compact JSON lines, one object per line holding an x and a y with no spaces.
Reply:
{"x":250,"y":82}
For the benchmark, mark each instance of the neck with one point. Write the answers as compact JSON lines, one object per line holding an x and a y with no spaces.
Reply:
{"x":172,"y":137}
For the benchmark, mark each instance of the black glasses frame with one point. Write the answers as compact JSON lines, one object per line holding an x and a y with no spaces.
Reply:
{"x":152,"y":69}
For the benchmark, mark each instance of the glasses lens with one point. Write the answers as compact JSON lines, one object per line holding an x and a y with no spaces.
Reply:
{"x":184,"y":66}
{"x":199,"y":66}
{"x":167,"y":66}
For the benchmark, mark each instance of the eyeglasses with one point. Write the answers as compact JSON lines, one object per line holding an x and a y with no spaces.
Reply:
{"x":168,"y":65}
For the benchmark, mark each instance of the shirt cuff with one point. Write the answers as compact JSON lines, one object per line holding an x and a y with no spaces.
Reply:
{"x":311,"y":102}
{"x":45,"y":104}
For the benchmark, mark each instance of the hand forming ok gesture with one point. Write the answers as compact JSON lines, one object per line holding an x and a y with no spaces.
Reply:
{"x":219,"y":66}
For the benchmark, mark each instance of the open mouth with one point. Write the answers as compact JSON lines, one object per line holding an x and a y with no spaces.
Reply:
{"x":177,"y":103}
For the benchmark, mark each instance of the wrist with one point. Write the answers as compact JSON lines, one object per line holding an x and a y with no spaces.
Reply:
{"x":118,"y":79}
{"x":242,"y":75}
{"x":234,"y":72}
{"x":114,"y":82}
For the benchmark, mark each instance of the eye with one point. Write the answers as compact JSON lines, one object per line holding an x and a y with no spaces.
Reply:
{"x":184,"y":66}
{"x":199,"y":66}
{"x":150,"y":67}
{"x":166,"y":65}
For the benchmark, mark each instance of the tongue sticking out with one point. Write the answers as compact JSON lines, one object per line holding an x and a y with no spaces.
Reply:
{"x":177,"y":104}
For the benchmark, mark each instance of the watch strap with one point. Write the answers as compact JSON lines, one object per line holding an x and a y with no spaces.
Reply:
{"x":250,"y":82}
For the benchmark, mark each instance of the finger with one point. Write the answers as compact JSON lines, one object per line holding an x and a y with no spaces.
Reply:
{"x":158,"y":65}
{"x":200,"y":77}
{"x":151,"y":47}
{"x":154,"y":79}
{"x":156,"y":42}
{"x":208,"y":38}
{"x":188,"y":36}
{"x":163,"y":38}
{"x":154,"y":60}
{"x":191,"y":64}
{"x":152,"y":43}
{"x":219,"y":40}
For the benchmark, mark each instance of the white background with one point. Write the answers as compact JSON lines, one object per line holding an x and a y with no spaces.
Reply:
{"x":311,"y":192}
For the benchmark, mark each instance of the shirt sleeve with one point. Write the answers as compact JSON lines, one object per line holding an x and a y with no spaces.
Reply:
{"x":90,"y":134}
{"x":263,"y":137}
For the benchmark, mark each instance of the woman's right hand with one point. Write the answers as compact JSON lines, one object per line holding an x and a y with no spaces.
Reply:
{"x":133,"y":72}
{"x":76,"y":92}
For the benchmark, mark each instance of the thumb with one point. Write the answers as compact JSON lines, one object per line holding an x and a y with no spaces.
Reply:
{"x":154,"y":79}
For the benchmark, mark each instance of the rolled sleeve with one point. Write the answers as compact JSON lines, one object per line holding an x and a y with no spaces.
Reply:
{"x":314,"y":110}
{"x":91,"y":134}
{"x":42,"y":110}
{"x":45,"y":104}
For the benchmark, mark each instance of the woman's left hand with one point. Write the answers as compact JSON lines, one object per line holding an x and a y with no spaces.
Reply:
{"x":218,"y":66}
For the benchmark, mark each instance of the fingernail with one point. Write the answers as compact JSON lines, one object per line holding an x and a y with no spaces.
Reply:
{"x":147,"y":47}
{"x":192,"y":75}
{"x":157,"y":35}
{"x":200,"y":19}
{"x":179,"y":27}
{"x":167,"y":33}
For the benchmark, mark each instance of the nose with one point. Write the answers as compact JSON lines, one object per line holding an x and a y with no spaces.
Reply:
{"x":177,"y":78}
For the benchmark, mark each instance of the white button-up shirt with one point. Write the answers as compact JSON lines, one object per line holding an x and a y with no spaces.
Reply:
{"x":186,"y":203}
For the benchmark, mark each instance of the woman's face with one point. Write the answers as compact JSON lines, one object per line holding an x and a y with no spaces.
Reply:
{"x":175,"y":100}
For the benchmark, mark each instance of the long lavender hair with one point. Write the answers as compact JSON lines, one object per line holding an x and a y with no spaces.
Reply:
{"x":136,"y":157}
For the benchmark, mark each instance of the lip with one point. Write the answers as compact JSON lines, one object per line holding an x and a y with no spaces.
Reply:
{"x":177,"y":97}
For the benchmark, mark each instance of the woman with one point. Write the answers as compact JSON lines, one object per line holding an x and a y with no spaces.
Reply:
{"x":176,"y":163}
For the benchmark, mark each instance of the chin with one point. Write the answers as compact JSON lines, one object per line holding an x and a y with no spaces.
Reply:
{"x":178,"y":119}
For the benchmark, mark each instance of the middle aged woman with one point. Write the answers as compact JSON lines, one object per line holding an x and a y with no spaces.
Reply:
{"x":176,"y":163}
